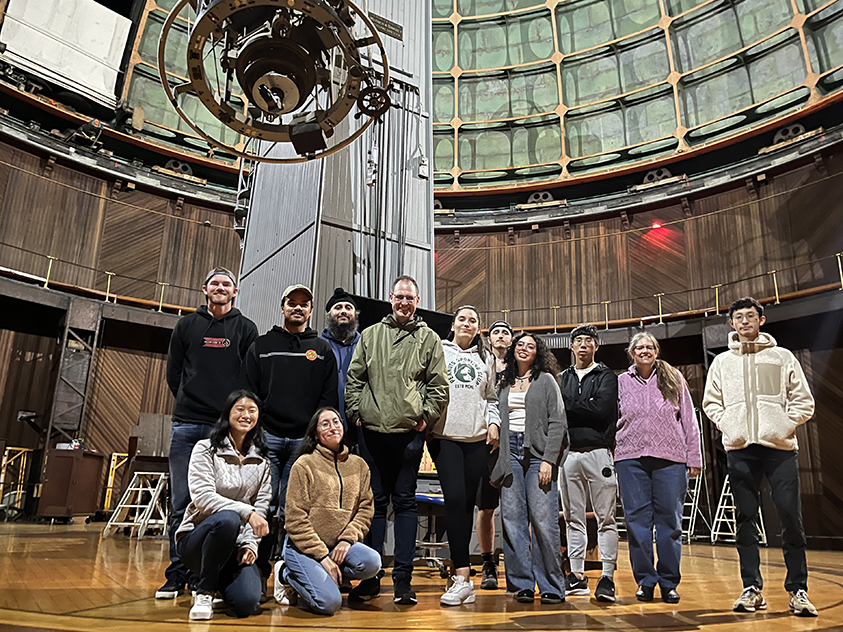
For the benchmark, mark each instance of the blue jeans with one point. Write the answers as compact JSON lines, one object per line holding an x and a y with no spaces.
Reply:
{"x":653,"y":493}
{"x":183,"y":436}
{"x":282,"y":454}
{"x":311,"y":581}
{"x":531,"y":558}
{"x":394,"y":461}
{"x":211,"y":551}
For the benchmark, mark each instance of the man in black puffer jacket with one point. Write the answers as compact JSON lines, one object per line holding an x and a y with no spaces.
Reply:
{"x":294,"y":372}
{"x":590,"y":392}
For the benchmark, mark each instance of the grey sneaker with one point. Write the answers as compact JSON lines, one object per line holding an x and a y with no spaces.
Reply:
{"x":750,"y":600}
{"x":800,"y":604}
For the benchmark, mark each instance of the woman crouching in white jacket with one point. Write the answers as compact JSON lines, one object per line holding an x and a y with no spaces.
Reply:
{"x":230,"y":490}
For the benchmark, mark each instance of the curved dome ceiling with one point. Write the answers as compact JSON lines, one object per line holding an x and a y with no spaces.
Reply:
{"x":544,"y":91}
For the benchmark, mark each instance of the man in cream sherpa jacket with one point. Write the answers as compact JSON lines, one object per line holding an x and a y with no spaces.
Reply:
{"x":757,"y":395}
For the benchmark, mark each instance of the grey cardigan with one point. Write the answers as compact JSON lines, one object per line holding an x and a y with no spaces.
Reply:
{"x":546,"y":427}
{"x":219,"y":481}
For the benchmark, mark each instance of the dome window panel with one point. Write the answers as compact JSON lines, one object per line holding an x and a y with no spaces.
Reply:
{"x":632,"y":16}
{"x":443,"y":100}
{"x":480,"y":7}
{"x":824,"y":32}
{"x":591,"y":78}
{"x":583,"y":24}
{"x":443,"y":150}
{"x":644,"y":62}
{"x":443,"y":48}
{"x":715,"y":96}
{"x":530,"y":38}
{"x":778,"y":71}
{"x":650,"y":120}
{"x":483,"y":44}
{"x":702,"y":37}
{"x":533,"y":92}
{"x":677,"y":7}
{"x":484,"y":98}
{"x":442,"y":8}
{"x":594,"y":133}
{"x":536,"y":144}
{"x":485,"y":149}
{"x":759,"y":18}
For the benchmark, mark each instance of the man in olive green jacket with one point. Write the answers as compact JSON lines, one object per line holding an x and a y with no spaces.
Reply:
{"x":397,"y":386}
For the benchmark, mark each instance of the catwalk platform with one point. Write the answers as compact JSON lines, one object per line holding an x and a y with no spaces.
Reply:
{"x":67,"y":578}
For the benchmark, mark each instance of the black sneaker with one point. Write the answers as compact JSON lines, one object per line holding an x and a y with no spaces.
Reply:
{"x":550,"y":598}
{"x":576,"y":586}
{"x":170,"y":590}
{"x":525,"y":596}
{"x":345,"y":586}
{"x":645,"y":593}
{"x":490,"y":576}
{"x":366,"y":590}
{"x":605,"y":590}
{"x":404,"y":595}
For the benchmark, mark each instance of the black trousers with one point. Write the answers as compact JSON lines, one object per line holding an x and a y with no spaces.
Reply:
{"x":460,"y":466}
{"x":746,"y":469}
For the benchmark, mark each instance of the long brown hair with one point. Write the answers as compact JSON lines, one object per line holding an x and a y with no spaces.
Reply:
{"x":478,"y":339}
{"x":668,"y":379}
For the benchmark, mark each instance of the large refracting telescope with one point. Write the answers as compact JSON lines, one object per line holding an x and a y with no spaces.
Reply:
{"x":302,"y":66}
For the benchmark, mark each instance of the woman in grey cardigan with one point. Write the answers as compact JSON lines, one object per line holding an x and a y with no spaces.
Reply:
{"x":534,"y":428}
{"x":230,"y":489}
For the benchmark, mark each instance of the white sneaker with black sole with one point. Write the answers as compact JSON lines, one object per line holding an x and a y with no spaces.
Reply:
{"x":460,"y":592}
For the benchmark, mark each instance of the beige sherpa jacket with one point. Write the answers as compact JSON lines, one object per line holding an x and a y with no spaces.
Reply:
{"x":756,"y":392}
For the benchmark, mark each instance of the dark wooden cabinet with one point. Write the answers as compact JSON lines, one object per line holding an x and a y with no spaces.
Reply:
{"x":72,"y":484}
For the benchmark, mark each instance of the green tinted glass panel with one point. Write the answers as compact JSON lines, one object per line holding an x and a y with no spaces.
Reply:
{"x":443,"y":100}
{"x":485,"y":149}
{"x":443,"y":48}
{"x":443,"y":150}
{"x":442,"y":8}
{"x":537,"y":144}
{"x":169,"y":4}
{"x":590,"y":79}
{"x":206,"y":121}
{"x":176,"y":51}
{"x":530,"y":38}
{"x":583,"y":24}
{"x":145,"y":90}
{"x":480,"y":7}
{"x":484,"y":98}
{"x":533,"y":92}
{"x":825,"y":36}
{"x":482,"y":44}
{"x":645,"y":63}
{"x":778,"y":71}
{"x":594,"y":133}
{"x":675,"y":7}
{"x":512,"y":5}
{"x":715,"y":96}
{"x":632,"y":16}
{"x":759,"y":18}
{"x":806,"y":6}
{"x":699,"y":41}
{"x":649,"y":120}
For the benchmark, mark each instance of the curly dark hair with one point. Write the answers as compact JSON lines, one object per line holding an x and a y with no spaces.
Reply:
{"x":545,"y":362}
{"x":220,"y":431}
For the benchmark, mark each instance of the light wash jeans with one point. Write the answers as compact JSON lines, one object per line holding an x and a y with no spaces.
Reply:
{"x":531,"y":558}
{"x":311,"y":581}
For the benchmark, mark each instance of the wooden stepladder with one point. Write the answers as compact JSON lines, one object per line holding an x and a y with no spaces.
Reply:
{"x":143,"y":506}
{"x":725,"y":527}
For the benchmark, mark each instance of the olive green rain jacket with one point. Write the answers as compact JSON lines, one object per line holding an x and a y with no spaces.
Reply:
{"x":397,"y":377}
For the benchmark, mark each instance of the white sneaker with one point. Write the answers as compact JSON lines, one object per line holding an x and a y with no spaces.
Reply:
{"x":286,"y":595}
{"x":460,"y":592}
{"x":800,"y":605}
{"x":203,"y":607}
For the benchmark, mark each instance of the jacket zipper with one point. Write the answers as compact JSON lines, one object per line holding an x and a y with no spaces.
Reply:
{"x":339,"y":476}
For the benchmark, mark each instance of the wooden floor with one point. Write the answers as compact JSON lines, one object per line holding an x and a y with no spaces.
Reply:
{"x":67,"y":578}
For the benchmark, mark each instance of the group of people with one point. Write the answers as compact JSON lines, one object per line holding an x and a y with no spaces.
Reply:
{"x":291,"y":446}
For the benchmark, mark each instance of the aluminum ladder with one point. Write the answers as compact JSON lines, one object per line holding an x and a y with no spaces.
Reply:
{"x":143,"y":506}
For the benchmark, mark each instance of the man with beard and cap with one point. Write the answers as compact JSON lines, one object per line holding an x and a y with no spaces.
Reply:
{"x":341,"y":333}
{"x":206,"y":350}
{"x":294,"y":372}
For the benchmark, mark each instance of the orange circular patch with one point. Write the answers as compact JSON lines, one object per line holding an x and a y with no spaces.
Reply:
{"x":310,"y":354}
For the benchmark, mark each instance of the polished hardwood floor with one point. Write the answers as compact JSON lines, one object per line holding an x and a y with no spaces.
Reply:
{"x":68,"y":578}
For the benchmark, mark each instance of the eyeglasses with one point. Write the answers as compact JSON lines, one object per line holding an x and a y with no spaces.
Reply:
{"x":327,"y":424}
{"x":644,"y":348}
{"x":400,"y":298}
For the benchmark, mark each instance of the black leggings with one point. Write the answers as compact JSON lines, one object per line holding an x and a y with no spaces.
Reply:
{"x":460,"y":466}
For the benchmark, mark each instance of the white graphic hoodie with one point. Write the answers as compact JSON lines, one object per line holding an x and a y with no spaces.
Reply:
{"x":474,"y":403}
{"x":756,"y":392}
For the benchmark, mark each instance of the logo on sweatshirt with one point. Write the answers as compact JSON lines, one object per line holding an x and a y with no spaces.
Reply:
{"x":217,"y":343}
{"x":464,"y":374}
{"x":311,"y":355}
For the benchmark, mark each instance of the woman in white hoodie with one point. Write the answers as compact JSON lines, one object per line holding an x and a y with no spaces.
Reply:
{"x":462,"y":440}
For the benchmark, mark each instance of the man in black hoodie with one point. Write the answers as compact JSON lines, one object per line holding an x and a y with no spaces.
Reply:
{"x":590,"y":392}
{"x":294,"y":372}
{"x":203,"y":365}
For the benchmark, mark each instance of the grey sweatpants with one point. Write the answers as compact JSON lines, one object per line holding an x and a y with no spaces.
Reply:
{"x":590,"y":473}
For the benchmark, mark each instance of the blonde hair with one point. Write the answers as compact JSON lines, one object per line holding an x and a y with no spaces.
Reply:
{"x":668,"y":379}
